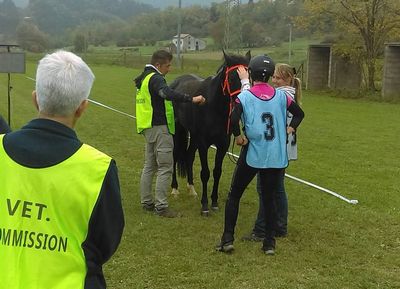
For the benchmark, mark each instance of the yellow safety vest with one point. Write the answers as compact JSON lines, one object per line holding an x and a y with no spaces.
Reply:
{"x":44,"y":218}
{"x":144,"y":109}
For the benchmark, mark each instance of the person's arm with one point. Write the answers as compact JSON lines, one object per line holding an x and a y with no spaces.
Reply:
{"x":235,"y":118}
{"x":159,"y":85}
{"x":105,"y":229}
{"x":298,"y":115}
{"x":235,"y":123}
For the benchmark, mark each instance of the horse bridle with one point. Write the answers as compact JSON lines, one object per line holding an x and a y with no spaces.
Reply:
{"x":226,"y":89}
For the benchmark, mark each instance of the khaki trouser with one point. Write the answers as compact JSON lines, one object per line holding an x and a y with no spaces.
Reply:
{"x":158,"y":160}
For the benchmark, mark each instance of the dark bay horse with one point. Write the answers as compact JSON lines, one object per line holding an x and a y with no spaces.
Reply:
{"x":206,"y":125}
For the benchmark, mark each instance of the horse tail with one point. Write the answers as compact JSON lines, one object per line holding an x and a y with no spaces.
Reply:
{"x":180,"y":149}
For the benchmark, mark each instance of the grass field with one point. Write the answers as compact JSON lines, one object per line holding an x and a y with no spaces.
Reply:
{"x":346,"y":145}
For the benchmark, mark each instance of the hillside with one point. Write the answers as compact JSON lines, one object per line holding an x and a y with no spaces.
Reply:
{"x":185,"y":3}
{"x":155,"y":3}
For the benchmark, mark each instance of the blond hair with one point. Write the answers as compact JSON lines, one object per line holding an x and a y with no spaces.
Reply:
{"x":287,"y":73}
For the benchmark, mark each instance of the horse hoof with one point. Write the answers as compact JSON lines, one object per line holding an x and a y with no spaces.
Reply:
{"x":175,"y":193}
{"x":215,"y":208}
{"x":194,"y":195}
{"x":205,"y":213}
{"x":191,"y":191}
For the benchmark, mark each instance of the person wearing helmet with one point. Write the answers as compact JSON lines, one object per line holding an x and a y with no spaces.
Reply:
{"x":262,"y":110}
{"x":284,"y":78}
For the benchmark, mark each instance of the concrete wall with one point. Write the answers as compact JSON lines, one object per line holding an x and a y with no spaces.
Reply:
{"x":326,"y":70}
{"x":345,"y":75}
{"x":318,"y":70}
{"x":391,"y":71}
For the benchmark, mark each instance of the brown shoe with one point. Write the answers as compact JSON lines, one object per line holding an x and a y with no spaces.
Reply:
{"x":167,"y":213}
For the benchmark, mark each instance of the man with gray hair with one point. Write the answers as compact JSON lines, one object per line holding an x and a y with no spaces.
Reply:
{"x":61,"y":216}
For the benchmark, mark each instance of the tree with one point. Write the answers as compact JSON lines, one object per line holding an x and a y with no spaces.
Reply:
{"x":365,"y":25}
{"x":215,"y":14}
{"x":255,"y":34}
{"x":80,"y":43}
{"x":51,"y":16}
{"x":216,"y":31}
{"x":29,"y":37}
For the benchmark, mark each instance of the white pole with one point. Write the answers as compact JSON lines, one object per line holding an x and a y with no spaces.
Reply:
{"x":288,"y":3}
{"x":290,"y":43}
{"x":178,"y":46}
{"x":353,"y":202}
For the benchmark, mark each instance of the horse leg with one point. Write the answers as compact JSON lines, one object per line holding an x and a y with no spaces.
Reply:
{"x":217,"y":172}
{"x":205,"y":176}
{"x":174,"y":182}
{"x":191,"y":152}
{"x":219,"y":157}
{"x":179,"y":155}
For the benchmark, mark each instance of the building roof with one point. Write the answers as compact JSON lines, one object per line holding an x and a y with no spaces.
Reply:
{"x":183,"y":35}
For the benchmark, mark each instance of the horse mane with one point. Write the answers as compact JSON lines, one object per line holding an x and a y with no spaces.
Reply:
{"x":188,"y":83}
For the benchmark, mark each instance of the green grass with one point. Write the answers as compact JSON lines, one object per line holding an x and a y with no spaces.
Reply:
{"x":346,"y":145}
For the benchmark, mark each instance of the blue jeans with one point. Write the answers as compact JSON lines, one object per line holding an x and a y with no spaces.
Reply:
{"x":281,"y":204}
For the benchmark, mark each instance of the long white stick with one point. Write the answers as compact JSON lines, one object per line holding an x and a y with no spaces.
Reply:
{"x":110,"y":108}
{"x":99,"y":104}
{"x":354,"y":202}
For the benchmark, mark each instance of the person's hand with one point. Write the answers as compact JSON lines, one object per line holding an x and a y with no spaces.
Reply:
{"x":242,"y":72}
{"x":290,"y":130}
{"x":241,"y":140}
{"x":199,"y":99}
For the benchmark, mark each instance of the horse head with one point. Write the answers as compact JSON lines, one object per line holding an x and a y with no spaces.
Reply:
{"x":229,"y":85}
{"x":231,"y":82}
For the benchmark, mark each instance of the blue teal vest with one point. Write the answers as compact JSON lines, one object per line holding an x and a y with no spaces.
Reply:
{"x":265,"y":127}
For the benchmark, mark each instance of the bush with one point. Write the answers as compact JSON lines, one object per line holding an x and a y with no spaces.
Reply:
{"x":80,"y":43}
{"x":30,"y":38}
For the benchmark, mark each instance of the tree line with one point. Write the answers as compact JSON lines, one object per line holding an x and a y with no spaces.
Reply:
{"x":55,"y":23}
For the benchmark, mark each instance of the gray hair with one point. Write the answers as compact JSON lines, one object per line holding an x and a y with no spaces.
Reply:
{"x":63,"y":81}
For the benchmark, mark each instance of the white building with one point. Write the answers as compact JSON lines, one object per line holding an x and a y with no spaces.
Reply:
{"x":189,"y":43}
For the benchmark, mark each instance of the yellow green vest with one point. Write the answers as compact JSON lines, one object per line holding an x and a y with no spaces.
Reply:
{"x":44,"y":218}
{"x":144,"y":109}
